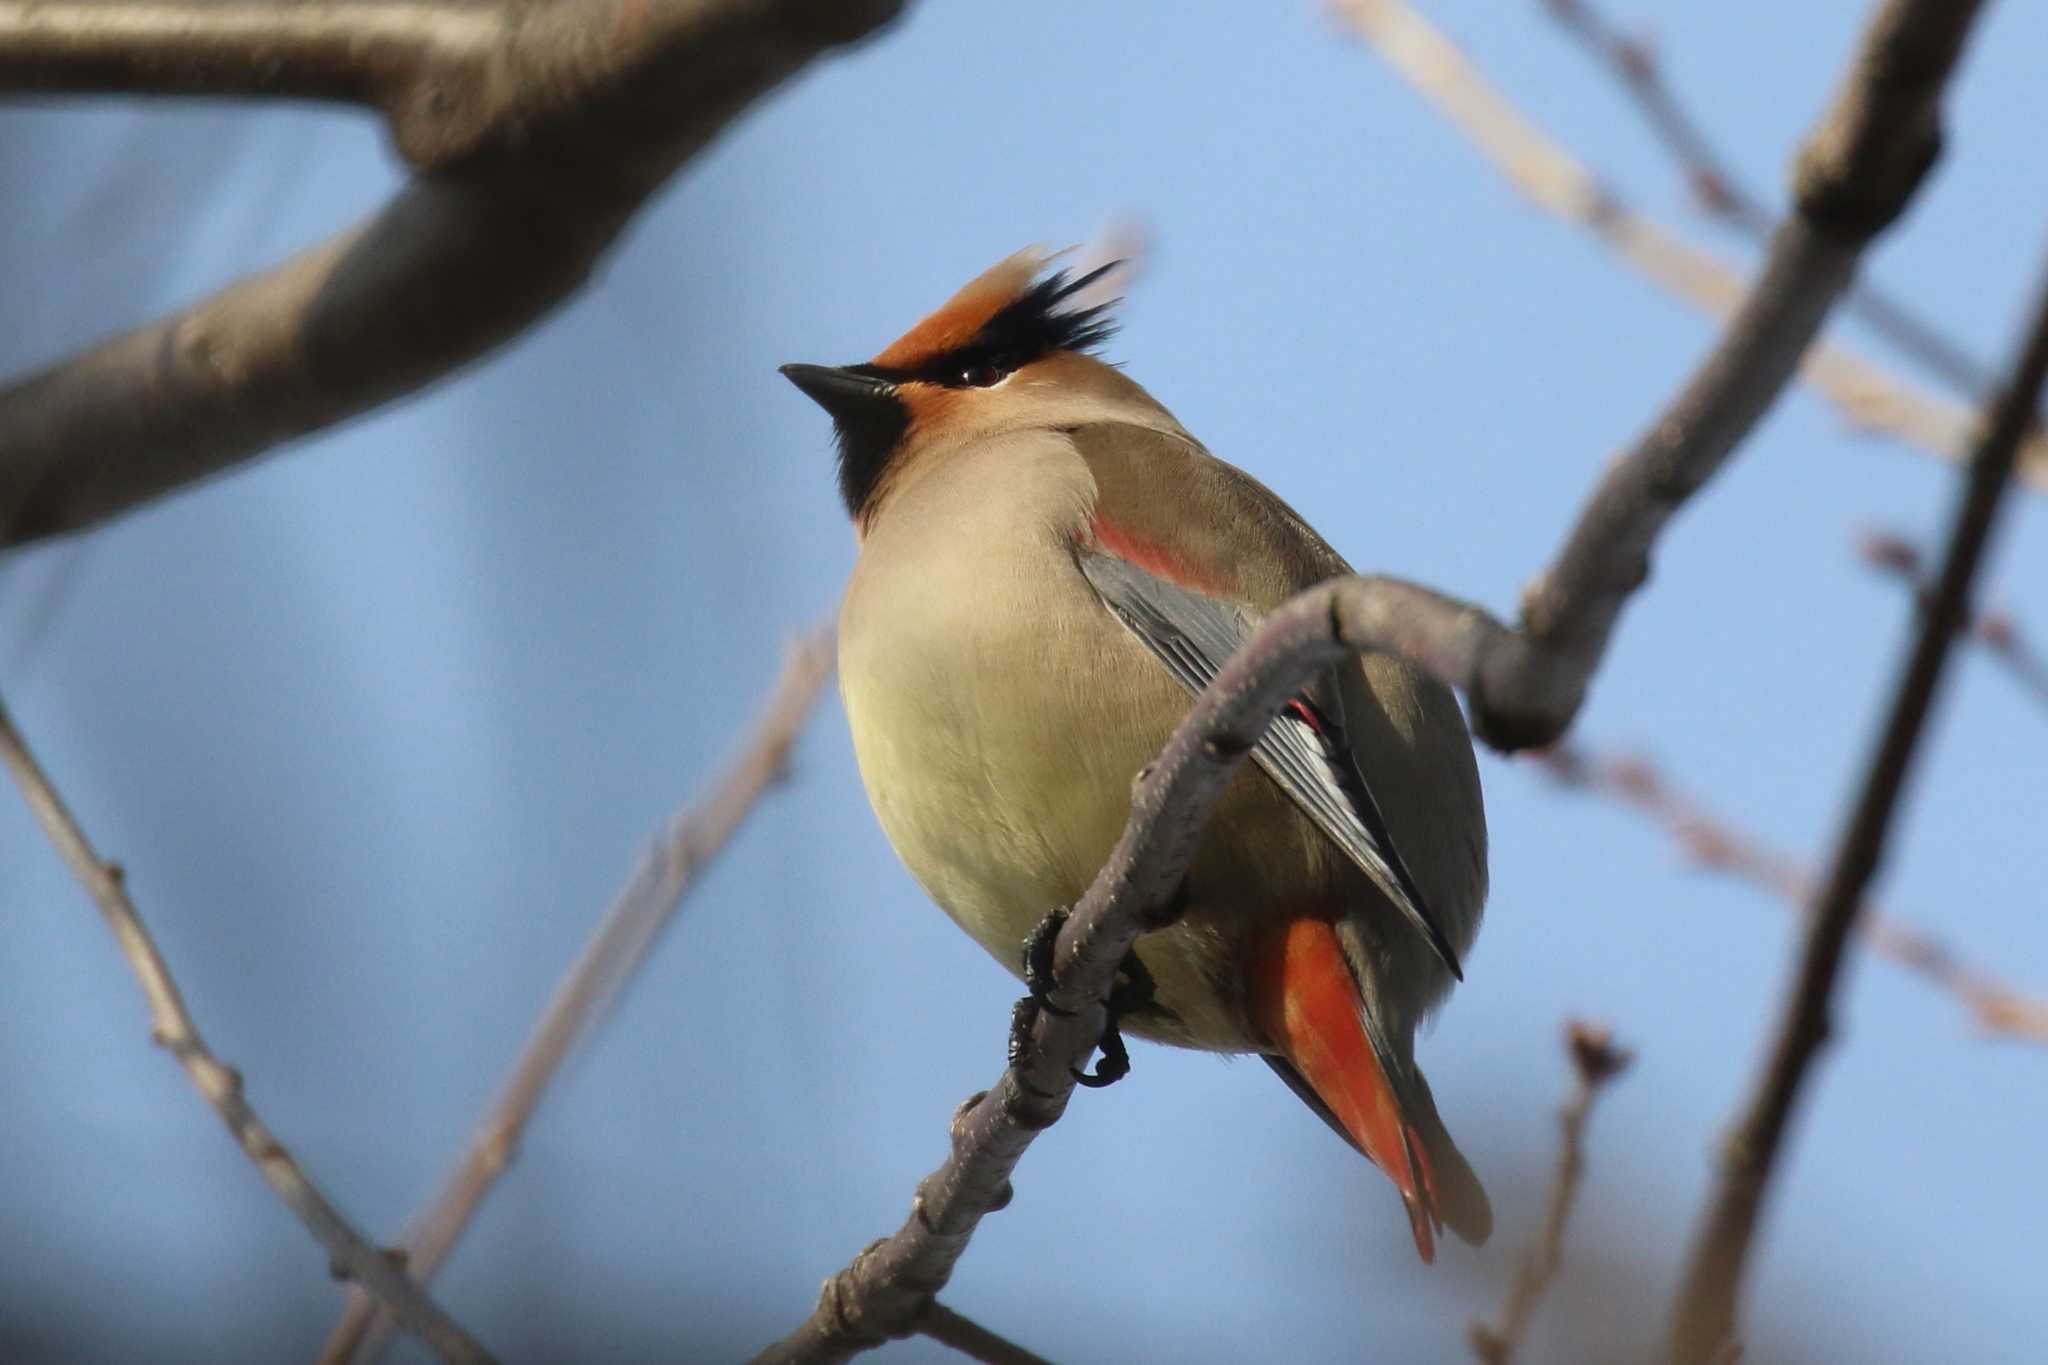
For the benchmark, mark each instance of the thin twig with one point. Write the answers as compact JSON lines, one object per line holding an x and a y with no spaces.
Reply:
{"x":1704,"y":1319}
{"x":1869,"y":397}
{"x":1994,"y":630}
{"x":593,"y":986}
{"x":1595,"y":1061}
{"x":1997,"y":1007}
{"x":350,"y":1254}
{"x":537,"y":129}
{"x":970,"y":1338}
{"x":1633,"y":62}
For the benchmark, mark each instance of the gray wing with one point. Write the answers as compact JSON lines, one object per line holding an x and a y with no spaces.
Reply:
{"x":1304,"y":750}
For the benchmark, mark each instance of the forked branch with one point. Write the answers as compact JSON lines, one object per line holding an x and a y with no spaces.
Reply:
{"x":352,"y":1255}
{"x":537,"y":127}
{"x":1997,"y":632}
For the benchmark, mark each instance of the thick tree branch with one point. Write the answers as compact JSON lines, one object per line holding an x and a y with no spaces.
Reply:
{"x":539,"y":129}
{"x":171,"y":1026}
{"x":1996,"y":1006}
{"x":1868,"y":397}
{"x":595,"y":983}
{"x":1634,"y":64}
{"x":1595,"y":1061}
{"x":361,"y":51}
{"x":1996,"y":632}
{"x":1704,"y":1318}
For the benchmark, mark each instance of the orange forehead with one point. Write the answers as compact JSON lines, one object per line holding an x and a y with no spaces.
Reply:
{"x":956,"y":321}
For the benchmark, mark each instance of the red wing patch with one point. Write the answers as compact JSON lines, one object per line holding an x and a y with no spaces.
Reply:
{"x":1154,"y":556}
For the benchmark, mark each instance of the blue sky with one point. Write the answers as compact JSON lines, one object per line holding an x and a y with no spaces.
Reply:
{"x":378,"y":724}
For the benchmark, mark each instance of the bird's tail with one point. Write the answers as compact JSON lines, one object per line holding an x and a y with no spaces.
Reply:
{"x":1304,"y":997}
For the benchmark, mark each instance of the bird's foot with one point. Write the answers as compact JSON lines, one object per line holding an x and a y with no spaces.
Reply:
{"x":1132,"y":990}
{"x":1037,"y":973}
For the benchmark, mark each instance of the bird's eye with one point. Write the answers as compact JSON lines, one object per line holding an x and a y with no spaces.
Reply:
{"x":985,"y":372}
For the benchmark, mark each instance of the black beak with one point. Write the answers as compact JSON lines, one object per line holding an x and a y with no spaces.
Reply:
{"x":848,"y":394}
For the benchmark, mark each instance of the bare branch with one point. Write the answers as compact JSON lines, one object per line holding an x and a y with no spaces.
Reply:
{"x":971,"y":1339}
{"x":591,"y":989}
{"x":362,"y":51}
{"x":537,"y":141}
{"x":1997,"y":1007}
{"x":1704,"y":1318}
{"x":1596,"y":1061}
{"x":1891,"y":553}
{"x":171,"y":1026}
{"x":1633,"y":62}
{"x":1867,"y":396}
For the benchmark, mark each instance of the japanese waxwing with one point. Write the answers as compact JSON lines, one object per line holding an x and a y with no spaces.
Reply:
{"x":1049,"y":567}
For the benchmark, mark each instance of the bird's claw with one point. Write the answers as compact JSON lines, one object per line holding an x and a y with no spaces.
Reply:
{"x":1038,"y":950}
{"x":1115,"y":1063}
{"x":1133,"y":990}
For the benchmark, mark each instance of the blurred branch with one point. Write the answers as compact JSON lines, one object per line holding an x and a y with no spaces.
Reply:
{"x":171,"y":1026}
{"x":1891,"y":553}
{"x":374,"y":52}
{"x":1998,"y":1008}
{"x":971,"y":1339}
{"x":595,"y":983}
{"x":1596,"y":1061}
{"x":1867,"y":396}
{"x":1633,"y":62}
{"x":1703,"y":1322}
{"x":537,"y":130}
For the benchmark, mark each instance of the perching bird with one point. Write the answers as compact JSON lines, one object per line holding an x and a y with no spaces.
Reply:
{"x":1049,"y":568}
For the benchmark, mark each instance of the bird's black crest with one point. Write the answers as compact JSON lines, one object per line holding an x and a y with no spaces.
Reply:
{"x":1030,"y":326}
{"x":1036,"y":323}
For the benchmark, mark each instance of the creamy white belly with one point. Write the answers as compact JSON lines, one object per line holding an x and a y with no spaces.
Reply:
{"x":999,"y":714}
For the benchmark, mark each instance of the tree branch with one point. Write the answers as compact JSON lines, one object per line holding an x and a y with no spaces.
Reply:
{"x":538,"y":131}
{"x":1996,"y":631}
{"x":171,"y":1026}
{"x":1704,"y":1318}
{"x":1634,"y":64}
{"x":1858,"y":168}
{"x":1998,"y":1008}
{"x":882,"y":1293}
{"x":593,"y":986}
{"x":1596,"y":1061}
{"x":1868,"y":397}
{"x":360,"y":51}
{"x":971,"y":1339}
